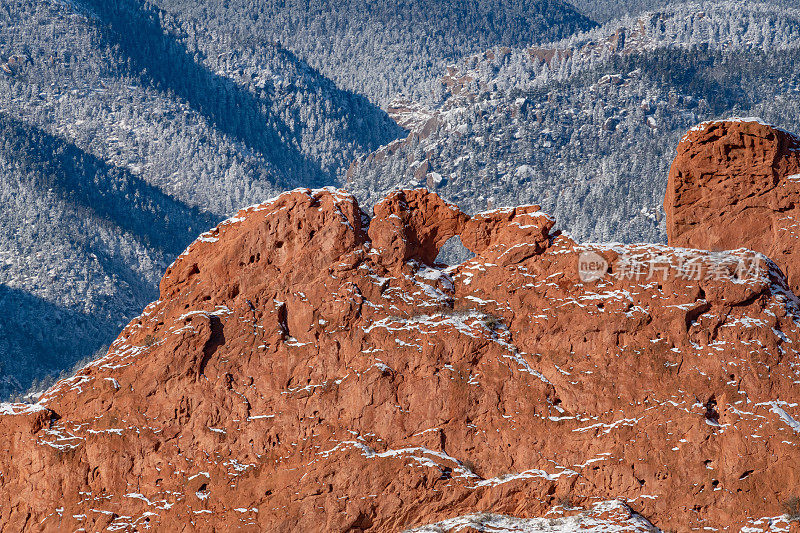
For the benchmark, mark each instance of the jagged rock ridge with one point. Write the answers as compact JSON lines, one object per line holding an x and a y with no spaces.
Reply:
{"x":309,"y":368}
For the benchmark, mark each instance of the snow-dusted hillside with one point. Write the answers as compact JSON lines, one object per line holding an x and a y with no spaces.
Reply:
{"x":607,"y":10}
{"x":380,"y":48}
{"x":588,"y":126}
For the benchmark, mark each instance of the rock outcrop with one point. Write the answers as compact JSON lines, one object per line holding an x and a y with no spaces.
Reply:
{"x":308,"y":368}
{"x":736,"y":184}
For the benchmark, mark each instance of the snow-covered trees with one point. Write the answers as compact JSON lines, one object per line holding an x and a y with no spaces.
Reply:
{"x":594,"y":119}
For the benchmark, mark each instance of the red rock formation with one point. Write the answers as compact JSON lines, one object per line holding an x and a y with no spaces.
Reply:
{"x":735,"y":184}
{"x":525,"y":227}
{"x":413,"y":224}
{"x":302,"y":373}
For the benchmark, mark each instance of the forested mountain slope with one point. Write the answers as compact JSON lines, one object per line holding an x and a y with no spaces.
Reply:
{"x":379,"y":48}
{"x":120,"y":80}
{"x":83,"y":243}
{"x":587,"y":126}
{"x":607,"y":10}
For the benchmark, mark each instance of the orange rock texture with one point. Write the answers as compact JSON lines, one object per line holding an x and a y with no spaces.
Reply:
{"x":309,"y":368}
{"x":737,"y":184}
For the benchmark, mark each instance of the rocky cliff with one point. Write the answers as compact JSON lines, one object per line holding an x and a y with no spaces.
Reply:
{"x":736,"y":184}
{"x":309,"y":368}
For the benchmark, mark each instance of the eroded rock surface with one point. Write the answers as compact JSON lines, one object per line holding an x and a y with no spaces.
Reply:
{"x":737,"y":184}
{"x":309,"y":369}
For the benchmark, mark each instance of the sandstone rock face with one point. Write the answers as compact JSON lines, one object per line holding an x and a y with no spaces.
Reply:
{"x":737,"y":184}
{"x":413,"y":224}
{"x":309,"y":369}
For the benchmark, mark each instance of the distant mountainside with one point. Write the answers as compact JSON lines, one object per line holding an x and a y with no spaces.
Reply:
{"x":127,"y":127}
{"x":125,"y":82}
{"x":587,"y":126}
{"x":379,"y":48}
{"x":81,"y":246}
{"x":606,"y":10}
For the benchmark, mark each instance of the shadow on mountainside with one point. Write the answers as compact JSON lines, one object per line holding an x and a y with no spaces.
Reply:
{"x":39,"y":339}
{"x":161,"y":60}
{"x":111,"y":193}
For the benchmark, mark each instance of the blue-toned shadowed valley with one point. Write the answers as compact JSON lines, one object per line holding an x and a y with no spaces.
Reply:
{"x":84,"y":243}
{"x":39,"y":339}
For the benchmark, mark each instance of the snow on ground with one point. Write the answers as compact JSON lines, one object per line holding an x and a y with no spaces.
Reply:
{"x":619,"y":520}
{"x":19,"y":408}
